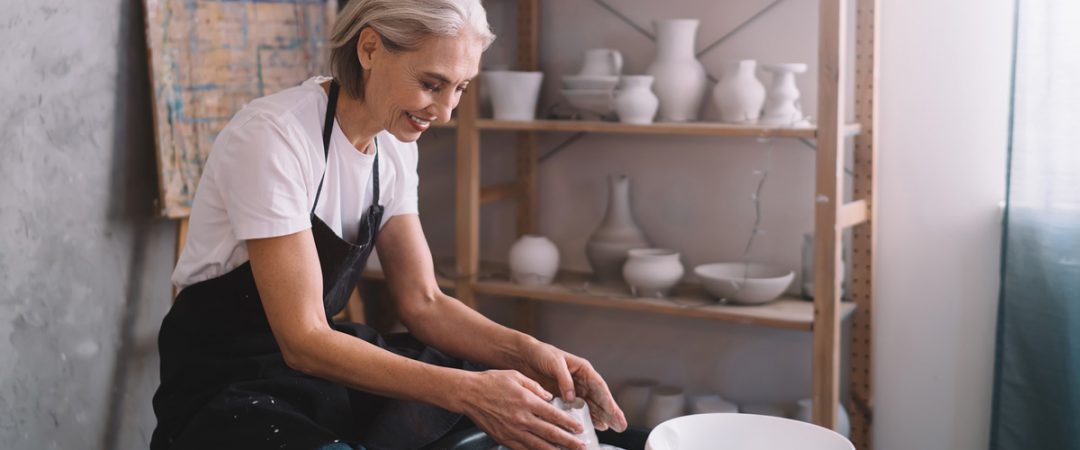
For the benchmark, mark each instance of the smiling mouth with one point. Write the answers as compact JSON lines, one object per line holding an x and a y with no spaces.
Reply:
{"x":419,"y":123}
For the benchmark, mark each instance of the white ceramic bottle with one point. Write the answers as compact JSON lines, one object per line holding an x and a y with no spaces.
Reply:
{"x":680,"y":78}
{"x":634,"y":99}
{"x":618,"y":233}
{"x":739,"y":95}
{"x":534,"y":261}
{"x":652,"y":272}
{"x":782,"y":98}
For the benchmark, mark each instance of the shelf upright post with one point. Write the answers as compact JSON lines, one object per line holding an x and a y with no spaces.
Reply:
{"x":832,"y":30}
{"x":467,"y":199}
{"x":864,"y":242}
{"x":528,"y":58}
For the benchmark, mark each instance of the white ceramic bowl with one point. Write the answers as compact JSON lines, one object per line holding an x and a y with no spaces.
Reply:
{"x":747,"y":283}
{"x":599,"y":101}
{"x":602,"y":82}
{"x":742,"y":432}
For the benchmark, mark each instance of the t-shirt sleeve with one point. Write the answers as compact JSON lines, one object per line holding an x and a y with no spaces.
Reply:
{"x":263,"y":179}
{"x":406,"y":197}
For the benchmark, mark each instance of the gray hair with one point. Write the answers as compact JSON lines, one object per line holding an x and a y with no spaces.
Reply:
{"x":402,"y":26}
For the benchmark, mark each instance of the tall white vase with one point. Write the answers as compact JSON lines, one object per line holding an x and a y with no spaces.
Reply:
{"x":782,"y":99}
{"x":617,"y":234}
{"x":739,"y":95}
{"x":680,"y":78}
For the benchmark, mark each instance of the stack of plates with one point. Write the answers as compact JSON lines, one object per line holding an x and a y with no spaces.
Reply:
{"x":592,"y":93}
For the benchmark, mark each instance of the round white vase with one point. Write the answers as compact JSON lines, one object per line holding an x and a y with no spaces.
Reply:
{"x":665,"y":403}
{"x":803,"y":410}
{"x":534,"y":261}
{"x":633,"y":399}
{"x":739,"y":95}
{"x":782,"y":98}
{"x":652,"y":272}
{"x":618,"y":233}
{"x":634,"y":99}
{"x":680,"y":78}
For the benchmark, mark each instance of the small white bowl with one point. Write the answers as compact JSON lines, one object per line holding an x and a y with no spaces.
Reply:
{"x":599,"y":101}
{"x":576,"y":82}
{"x":747,"y":283}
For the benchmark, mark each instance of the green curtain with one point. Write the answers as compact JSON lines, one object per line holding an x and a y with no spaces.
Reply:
{"x":1037,"y":371}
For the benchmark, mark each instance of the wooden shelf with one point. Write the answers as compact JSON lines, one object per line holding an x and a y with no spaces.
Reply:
{"x":684,"y":129}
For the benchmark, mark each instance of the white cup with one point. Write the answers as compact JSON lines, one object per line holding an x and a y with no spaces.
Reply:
{"x":580,"y":412}
{"x":514,"y":94}
{"x":633,"y":398}
{"x":666,"y":403}
{"x":712,"y":403}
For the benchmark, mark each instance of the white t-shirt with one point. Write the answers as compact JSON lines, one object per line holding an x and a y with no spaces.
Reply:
{"x":262,"y":173}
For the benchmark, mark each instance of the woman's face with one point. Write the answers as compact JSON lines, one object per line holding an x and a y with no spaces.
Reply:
{"x":407,"y":91}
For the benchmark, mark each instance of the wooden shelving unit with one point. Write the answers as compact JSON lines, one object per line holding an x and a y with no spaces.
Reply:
{"x":832,"y":215}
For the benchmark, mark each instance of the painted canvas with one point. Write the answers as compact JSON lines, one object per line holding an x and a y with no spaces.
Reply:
{"x":210,"y":57}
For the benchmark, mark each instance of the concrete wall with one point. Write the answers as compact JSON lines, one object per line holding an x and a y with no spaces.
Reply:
{"x":83,"y":264}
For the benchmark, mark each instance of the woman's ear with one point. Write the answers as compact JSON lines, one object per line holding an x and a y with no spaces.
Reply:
{"x":367,"y":46}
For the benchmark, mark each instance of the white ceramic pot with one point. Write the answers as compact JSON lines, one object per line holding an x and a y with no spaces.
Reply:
{"x":652,"y":272}
{"x":513,"y":94}
{"x":579,"y":410}
{"x":635,"y":101}
{"x":803,"y":412}
{"x":633,"y":399}
{"x":782,"y":98}
{"x":746,"y":283}
{"x":680,"y":78}
{"x":618,"y":233}
{"x":666,"y":403}
{"x":712,"y":403}
{"x":739,"y":95}
{"x":742,"y":432}
{"x":534,"y":261}
{"x":602,"y":62}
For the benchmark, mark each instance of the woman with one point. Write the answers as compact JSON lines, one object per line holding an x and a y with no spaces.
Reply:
{"x":298,"y":188}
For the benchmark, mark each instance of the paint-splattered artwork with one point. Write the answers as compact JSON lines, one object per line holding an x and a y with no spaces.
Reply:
{"x":210,"y":57}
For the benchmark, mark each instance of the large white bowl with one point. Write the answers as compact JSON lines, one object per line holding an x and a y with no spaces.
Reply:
{"x":728,"y":431}
{"x":604,"y":82}
{"x":747,"y":283}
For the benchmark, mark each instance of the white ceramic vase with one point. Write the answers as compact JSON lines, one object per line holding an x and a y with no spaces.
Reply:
{"x":618,"y":233}
{"x":652,"y":272}
{"x":534,"y":261}
{"x":680,"y":78}
{"x":579,"y":410}
{"x":633,"y":399}
{"x":782,"y":98}
{"x":666,"y":403}
{"x":739,"y":95}
{"x":634,"y":99}
{"x":803,"y":412}
{"x":712,"y":403}
{"x":514,"y":94}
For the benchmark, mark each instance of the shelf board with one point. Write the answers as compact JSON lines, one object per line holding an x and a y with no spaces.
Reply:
{"x":684,"y":129}
{"x":687,"y":300}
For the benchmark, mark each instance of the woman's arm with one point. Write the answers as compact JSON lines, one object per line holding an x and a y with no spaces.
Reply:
{"x":447,"y":324}
{"x":512,"y":407}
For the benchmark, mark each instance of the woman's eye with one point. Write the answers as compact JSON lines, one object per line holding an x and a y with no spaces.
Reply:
{"x":462,"y":88}
{"x":429,"y":86}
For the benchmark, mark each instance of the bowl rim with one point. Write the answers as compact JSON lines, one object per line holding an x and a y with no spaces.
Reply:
{"x":699,"y":270}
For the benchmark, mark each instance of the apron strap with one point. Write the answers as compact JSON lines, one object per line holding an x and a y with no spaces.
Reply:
{"x":328,"y":128}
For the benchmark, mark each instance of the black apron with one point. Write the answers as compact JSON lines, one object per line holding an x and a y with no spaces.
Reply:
{"x":224,"y":383}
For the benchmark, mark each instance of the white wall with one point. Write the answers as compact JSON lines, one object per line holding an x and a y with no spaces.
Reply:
{"x":944,"y":100}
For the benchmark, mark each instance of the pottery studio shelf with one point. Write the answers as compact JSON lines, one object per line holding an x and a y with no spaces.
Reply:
{"x":687,"y":299}
{"x":683,"y":129}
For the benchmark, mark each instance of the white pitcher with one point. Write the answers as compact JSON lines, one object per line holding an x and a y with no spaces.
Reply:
{"x":602,"y":62}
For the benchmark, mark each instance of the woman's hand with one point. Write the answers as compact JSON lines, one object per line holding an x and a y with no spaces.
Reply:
{"x":514,"y":410}
{"x":572,"y":377}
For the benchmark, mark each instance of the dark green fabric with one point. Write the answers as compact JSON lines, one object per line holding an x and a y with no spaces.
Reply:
{"x":1037,"y":373}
